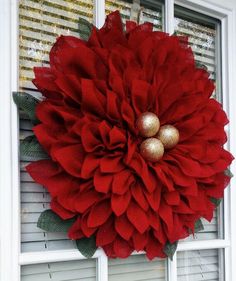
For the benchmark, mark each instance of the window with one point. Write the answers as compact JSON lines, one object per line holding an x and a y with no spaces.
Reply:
{"x":27,"y":253}
{"x":40,"y":23}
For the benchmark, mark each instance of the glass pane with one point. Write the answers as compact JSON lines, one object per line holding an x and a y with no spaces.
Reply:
{"x":200,"y":265}
{"x":137,"y":268}
{"x":60,"y":271}
{"x":140,"y":11}
{"x":40,"y":23}
{"x":203,"y":35}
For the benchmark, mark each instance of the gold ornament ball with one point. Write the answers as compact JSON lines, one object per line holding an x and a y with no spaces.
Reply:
{"x":168,"y":135}
{"x":152,"y":149}
{"x":148,"y":124}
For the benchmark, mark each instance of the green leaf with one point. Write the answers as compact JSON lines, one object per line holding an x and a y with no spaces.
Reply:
{"x":27,"y":103}
{"x":51,"y":222}
{"x":87,"y":246}
{"x":216,"y":201}
{"x":85,"y":28}
{"x":228,"y":173}
{"x":170,"y":249}
{"x":198,"y":226}
{"x":201,"y":65}
{"x":31,"y":150}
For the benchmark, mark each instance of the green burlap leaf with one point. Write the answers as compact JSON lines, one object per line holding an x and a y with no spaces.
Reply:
{"x":31,"y":150}
{"x":27,"y":103}
{"x":200,"y":65}
{"x":85,"y":28}
{"x":170,"y":249}
{"x":216,"y":201}
{"x":228,"y":173}
{"x":87,"y":246}
{"x":198,"y":226}
{"x":49,"y":221}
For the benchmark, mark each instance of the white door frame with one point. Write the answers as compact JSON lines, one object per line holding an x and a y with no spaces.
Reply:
{"x":10,"y":256}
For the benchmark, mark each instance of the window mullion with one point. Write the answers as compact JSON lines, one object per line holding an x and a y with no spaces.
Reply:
{"x":169,"y":28}
{"x":99,"y":6}
{"x":9,"y":180}
{"x":203,"y":244}
{"x":172,"y":268}
{"x":169,"y":16}
{"x":102,"y":267}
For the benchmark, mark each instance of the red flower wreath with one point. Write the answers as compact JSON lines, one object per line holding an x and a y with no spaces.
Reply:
{"x":94,"y":92}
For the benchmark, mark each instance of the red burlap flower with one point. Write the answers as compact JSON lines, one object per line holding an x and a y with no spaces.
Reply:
{"x":94,"y":92}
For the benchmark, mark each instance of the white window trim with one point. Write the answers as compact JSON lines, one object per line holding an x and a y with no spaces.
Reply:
{"x":10,"y":256}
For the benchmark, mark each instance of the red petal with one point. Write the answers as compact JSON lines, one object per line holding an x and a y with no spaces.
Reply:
{"x":93,"y":100}
{"x":62,"y":212}
{"x":102,"y":182}
{"x":70,"y":157}
{"x":137,"y":217}
{"x":99,"y":214}
{"x":124,"y":227}
{"x":89,"y":165}
{"x":85,"y":200}
{"x":111,"y":164}
{"x":140,"y":95}
{"x":138,"y":195}
{"x":88,"y":231}
{"x":122,"y":248}
{"x":154,"y":198}
{"x":121,"y":182}
{"x":45,"y":82}
{"x":139,"y":240}
{"x":172,"y":198}
{"x":41,"y":170}
{"x":166,"y":215}
{"x":106,"y":233}
{"x":154,"y":249}
{"x":75,"y":230}
{"x":119,"y":203}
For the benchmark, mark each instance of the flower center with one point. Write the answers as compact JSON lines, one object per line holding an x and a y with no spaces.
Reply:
{"x":157,"y":138}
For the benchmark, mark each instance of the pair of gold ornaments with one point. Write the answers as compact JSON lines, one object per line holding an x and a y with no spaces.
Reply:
{"x":158,"y":138}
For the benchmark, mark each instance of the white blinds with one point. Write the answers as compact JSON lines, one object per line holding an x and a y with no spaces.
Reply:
{"x":137,"y":268}
{"x":34,"y":200}
{"x":202,"y":264}
{"x":202,"y":41}
{"x":202,"y":37}
{"x":151,"y":11}
{"x":83,"y":270}
{"x":40,"y":23}
{"x":199,"y":265}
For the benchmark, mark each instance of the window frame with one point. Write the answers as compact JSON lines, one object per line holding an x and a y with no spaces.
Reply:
{"x":10,"y":256}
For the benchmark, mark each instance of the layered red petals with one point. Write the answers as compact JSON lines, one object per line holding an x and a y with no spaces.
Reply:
{"x":94,"y":91}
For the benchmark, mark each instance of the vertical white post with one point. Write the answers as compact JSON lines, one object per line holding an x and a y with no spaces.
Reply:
{"x":229,"y":43}
{"x":169,"y":28}
{"x":169,"y":16}
{"x":102,"y":267}
{"x":9,"y":212}
{"x":102,"y":261}
{"x":99,"y":12}
{"x":172,"y":268}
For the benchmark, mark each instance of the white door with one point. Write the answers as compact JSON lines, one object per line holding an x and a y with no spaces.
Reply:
{"x":28,"y":29}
